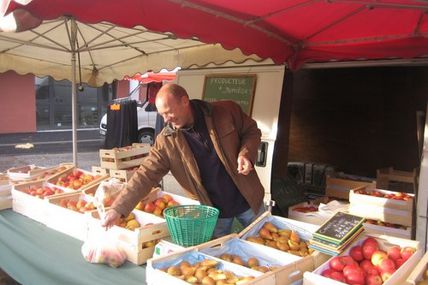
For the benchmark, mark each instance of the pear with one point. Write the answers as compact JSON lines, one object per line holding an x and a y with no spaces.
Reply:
{"x":263,"y":269}
{"x":174,"y":271}
{"x":283,"y":239}
{"x":282,"y":246}
{"x":264,"y":233}
{"x":271,"y":243}
{"x":252,"y":262}
{"x":293,"y":245}
{"x":254,"y":239}
{"x":270,"y":227}
{"x":226,"y":256}
{"x":284,"y":232}
{"x":208,"y":281}
{"x":200,"y":274}
{"x":294,"y":236}
{"x":192,"y":280}
{"x":238,"y":260}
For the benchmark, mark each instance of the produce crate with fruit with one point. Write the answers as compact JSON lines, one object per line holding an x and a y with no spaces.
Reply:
{"x":382,"y":228}
{"x":194,"y":267}
{"x":315,"y":213}
{"x":340,"y":187}
{"x":371,"y":260}
{"x":158,"y":200}
{"x":419,"y":275}
{"x":285,"y":235}
{"x":136,"y":234}
{"x":76,"y":179}
{"x":111,"y":188}
{"x":31,"y":173}
{"x":66,"y":214}
{"x":30,"y":199}
{"x":124,"y":157}
{"x":231,"y":248}
{"x":387,"y":206}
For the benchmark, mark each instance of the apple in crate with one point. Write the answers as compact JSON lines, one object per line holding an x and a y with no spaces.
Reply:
{"x":42,"y":191}
{"x":75,"y":180}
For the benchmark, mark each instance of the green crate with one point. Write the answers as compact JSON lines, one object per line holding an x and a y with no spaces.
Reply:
{"x":191,"y":224}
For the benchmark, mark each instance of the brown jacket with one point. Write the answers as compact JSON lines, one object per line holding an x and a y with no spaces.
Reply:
{"x":232,"y":132}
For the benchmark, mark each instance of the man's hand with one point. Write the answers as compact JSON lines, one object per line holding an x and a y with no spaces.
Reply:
{"x":244,"y":165}
{"x":110,"y":219}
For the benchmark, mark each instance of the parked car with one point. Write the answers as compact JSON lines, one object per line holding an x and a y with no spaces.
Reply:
{"x":147,"y":113}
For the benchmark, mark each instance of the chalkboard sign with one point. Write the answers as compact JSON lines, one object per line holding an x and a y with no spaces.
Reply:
{"x":339,"y":227}
{"x":238,"y":88}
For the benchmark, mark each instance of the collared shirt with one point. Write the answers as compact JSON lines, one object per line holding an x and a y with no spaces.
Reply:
{"x":221,"y":189}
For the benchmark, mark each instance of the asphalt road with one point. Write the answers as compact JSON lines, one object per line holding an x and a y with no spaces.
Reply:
{"x":50,"y":148}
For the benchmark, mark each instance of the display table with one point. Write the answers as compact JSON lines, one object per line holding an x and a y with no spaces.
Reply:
{"x":32,"y":253}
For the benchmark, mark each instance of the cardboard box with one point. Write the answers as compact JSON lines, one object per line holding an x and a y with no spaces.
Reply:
{"x":165,"y":247}
{"x":340,"y":187}
{"x":399,"y":277}
{"x":124,"y":157}
{"x":154,"y":274}
{"x":417,"y":273}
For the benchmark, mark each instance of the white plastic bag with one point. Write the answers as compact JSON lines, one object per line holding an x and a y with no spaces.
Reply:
{"x":100,"y":247}
{"x":105,"y":194}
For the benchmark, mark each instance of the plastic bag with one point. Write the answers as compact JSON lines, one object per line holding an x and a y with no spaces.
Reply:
{"x":105,"y":194}
{"x":100,"y":247}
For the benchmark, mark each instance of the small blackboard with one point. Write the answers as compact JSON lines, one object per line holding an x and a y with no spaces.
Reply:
{"x":238,"y":88}
{"x":339,"y":228}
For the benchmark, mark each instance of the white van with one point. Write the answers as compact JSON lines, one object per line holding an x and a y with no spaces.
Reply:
{"x":147,"y":114}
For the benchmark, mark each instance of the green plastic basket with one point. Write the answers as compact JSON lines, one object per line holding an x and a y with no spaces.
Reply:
{"x":191,"y":224}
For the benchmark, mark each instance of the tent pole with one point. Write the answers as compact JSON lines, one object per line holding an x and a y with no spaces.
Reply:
{"x":73,"y":90}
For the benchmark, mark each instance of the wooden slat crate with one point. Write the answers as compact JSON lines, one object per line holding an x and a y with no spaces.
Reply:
{"x":124,"y":157}
{"x":88,"y":179}
{"x":286,"y":268}
{"x":122,"y":174}
{"x":133,"y":242}
{"x":419,"y":270}
{"x":155,"y":274}
{"x":340,"y":187}
{"x":399,"y":276}
{"x":98,"y":170}
{"x":305,"y":231}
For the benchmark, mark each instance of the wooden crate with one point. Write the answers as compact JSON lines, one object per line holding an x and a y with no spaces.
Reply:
{"x":287,"y":268}
{"x":55,"y":180}
{"x":153,"y":228}
{"x":314,"y":217}
{"x":124,"y":157}
{"x":361,"y":199}
{"x":385,"y":176}
{"x":389,"y":231}
{"x":98,"y":170}
{"x":418,"y":271}
{"x":154,"y":274}
{"x":122,"y":174}
{"x":5,"y":202}
{"x":65,"y":220}
{"x":158,"y":193}
{"x":340,"y":187}
{"x":388,"y":215}
{"x":399,"y":277}
{"x":305,"y":231}
{"x":4,"y":179}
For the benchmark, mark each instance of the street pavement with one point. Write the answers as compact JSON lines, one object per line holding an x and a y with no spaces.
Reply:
{"x":50,"y":148}
{"x":53,"y":148}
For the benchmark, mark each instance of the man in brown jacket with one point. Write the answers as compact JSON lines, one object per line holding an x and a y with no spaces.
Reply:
{"x":210,"y":149}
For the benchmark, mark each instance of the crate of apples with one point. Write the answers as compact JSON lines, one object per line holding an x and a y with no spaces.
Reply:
{"x":41,"y":190}
{"x":371,"y":261}
{"x":381,"y":198}
{"x":75,"y":179}
{"x":158,"y":200}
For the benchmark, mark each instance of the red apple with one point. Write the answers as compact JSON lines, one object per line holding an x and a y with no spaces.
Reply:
{"x":350,"y":268}
{"x":373,"y":280}
{"x":354,"y":276}
{"x":158,"y":211}
{"x":336,"y":275}
{"x":406,"y":252}
{"x":327,"y":272}
{"x":149,"y":207}
{"x":356,"y":253}
{"x":160,"y":203}
{"x":368,"y":250}
{"x":399,"y":262}
{"x":370,"y":241}
{"x":368,"y":267}
{"x":348,"y":260}
{"x":386,"y":265}
{"x":377,"y":257}
{"x":394,"y":252}
{"x":336,"y":263}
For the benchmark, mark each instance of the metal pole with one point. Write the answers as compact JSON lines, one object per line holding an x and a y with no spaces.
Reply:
{"x":73,"y":90}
